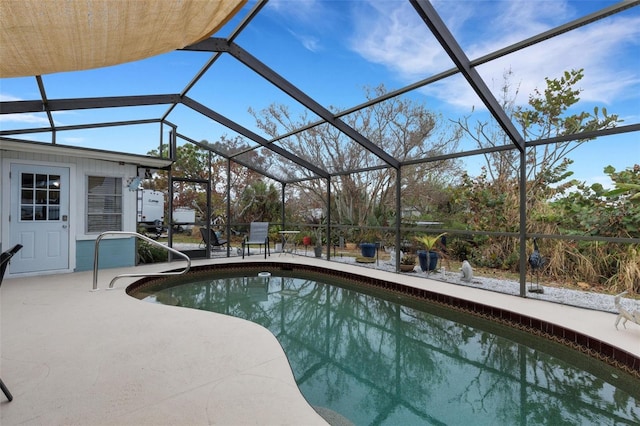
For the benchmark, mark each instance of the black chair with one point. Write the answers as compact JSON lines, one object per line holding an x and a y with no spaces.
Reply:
{"x":211,"y":239}
{"x":4,"y":262}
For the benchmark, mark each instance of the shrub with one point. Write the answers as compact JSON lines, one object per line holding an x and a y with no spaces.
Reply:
{"x":460,"y":249}
{"x":408,"y":259}
{"x":148,"y":253}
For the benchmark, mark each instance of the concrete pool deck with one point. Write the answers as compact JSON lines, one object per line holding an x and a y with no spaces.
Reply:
{"x":76,"y":357}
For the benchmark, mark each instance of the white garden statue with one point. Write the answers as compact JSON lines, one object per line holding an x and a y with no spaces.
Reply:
{"x":623,"y":314}
{"x":467,"y":271}
{"x":392,"y":256}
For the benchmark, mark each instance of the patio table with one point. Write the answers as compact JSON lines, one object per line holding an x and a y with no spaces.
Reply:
{"x":287,"y":241}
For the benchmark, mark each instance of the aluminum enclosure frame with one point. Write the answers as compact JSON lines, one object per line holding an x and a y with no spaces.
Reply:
{"x":227,"y":46}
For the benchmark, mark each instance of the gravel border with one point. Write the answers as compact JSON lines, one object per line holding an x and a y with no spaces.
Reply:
{"x":577,"y":298}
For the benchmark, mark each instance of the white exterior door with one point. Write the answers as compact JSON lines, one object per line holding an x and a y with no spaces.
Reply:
{"x":39,"y":218}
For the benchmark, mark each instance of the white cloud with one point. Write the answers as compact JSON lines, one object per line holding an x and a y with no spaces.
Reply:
{"x":605,"y":49}
{"x":31,"y":119}
{"x":25,"y":118}
{"x":603,"y":180}
{"x":35,"y":120}
{"x":516,"y":20}
{"x":4,"y":97}
{"x":300,"y":10}
{"x":309,"y":42}
{"x":595,"y":48}
{"x":308,"y":21}
{"x":392,"y":34}
{"x":73,"y":140}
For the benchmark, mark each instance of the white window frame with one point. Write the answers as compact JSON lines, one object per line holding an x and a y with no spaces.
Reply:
{"x":118,"y":199}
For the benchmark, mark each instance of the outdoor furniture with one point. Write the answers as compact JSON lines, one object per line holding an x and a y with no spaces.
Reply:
{"x":211,"y":239}
{"x":4,"y":262}
{"x":259,"y":236}
{"x":288,"y":242}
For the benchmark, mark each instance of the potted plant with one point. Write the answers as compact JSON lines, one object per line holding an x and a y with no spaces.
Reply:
{"x":408,"y":262}
{"x":368,"y":249}
{"x":368,"y":245}
{"x":306,"y":240}
{"x":276,"y":237}
{"x":428,"y":257}
{"x":318,"y":247}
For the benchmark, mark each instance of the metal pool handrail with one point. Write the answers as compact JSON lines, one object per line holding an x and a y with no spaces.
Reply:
{"x":149,"y":240}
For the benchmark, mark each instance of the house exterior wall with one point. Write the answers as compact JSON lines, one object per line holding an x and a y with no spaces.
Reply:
{"x":114,"y":252}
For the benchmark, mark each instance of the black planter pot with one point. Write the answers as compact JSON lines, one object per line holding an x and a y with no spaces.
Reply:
{"x":428,"y":262}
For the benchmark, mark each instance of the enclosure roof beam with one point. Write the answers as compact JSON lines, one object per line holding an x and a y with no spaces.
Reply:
{"x":431,"y":18}
{"x":75,"y":151}
{"x":43,"y":95}
{"x":18,"y":107}
{"x":202,"y":145}
{"x":222,"y":45}
{"x":582,"y":136}
{"x":546,"y":35}
{"x":499,"y":148}
{"x":227,"y":157}
{"x":241,"y":26}
{"x":208,"y":112}
{"x":79,"y":127}
{"x":607,"y":11}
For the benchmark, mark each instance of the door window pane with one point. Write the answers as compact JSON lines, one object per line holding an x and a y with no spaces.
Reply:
{"x":40,"y":197}
{"x":54,"y":197}
{"x":26,"y":196}
{"x":40,"y":213}
{"x":26,"y":213}
{"x":41,"y":181}
{"x":54,"y":213}
{"x":54,"y":182}
{"x":27,"y":180}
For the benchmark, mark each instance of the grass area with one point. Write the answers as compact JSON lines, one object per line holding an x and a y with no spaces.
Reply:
{"x":179,"y":237}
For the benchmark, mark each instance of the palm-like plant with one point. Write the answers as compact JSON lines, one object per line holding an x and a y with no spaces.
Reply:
{"x":429,"y":241}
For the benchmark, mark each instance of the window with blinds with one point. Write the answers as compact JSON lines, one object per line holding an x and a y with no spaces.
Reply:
{"x":104,"y":204}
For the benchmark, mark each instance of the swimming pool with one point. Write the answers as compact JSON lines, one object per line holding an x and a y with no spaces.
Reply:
{"x":381,"y":358}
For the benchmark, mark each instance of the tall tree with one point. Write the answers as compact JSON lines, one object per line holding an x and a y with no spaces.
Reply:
{"x":401,"y":127}
{"x":260,"y":202}
{"x":546,"y":116}
{"x":195,"y":162}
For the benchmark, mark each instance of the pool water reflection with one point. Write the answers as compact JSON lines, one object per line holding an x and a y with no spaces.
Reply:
{"x":379,"y":359}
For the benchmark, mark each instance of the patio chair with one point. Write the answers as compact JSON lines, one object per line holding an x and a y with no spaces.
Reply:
{"x":258,"y":236}
{"x":211,"y":239}
{"x":4,"y":262}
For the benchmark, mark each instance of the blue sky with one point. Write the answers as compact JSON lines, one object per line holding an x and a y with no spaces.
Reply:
{"x":332,"y":50}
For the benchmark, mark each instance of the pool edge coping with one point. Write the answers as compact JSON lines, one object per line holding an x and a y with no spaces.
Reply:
{"x":606,"y":352}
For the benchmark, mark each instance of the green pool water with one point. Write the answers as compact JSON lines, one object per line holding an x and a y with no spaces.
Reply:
{"x":379,"y":359}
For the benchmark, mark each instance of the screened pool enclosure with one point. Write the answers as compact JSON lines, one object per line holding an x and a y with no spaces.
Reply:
{"x":368,"y":109}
